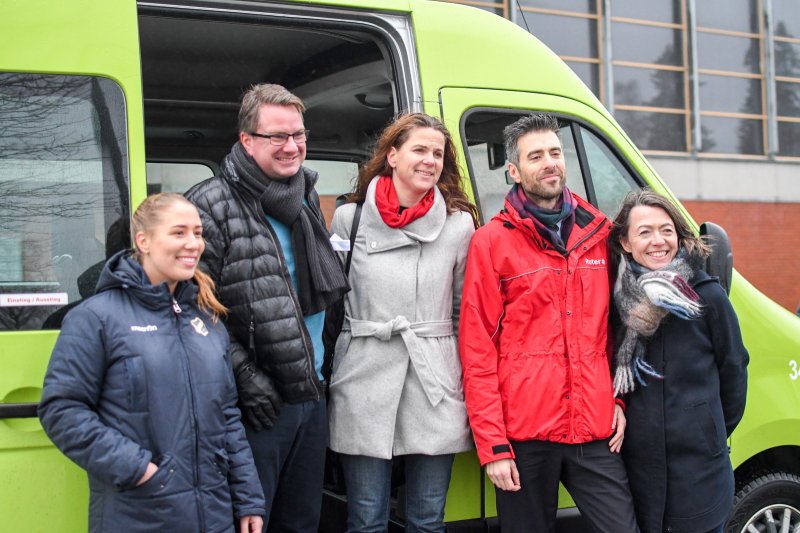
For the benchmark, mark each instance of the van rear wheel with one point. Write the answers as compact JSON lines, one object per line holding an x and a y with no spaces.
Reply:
{"x":769,"y":503}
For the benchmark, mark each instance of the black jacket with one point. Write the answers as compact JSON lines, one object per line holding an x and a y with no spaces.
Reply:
{"x":132,"y":380}
{"x":675,"y":446}
{"x":245,"y":259}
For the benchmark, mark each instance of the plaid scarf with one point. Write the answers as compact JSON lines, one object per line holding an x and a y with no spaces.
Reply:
{"x":546,"y":220}
{"x":643,"y":298}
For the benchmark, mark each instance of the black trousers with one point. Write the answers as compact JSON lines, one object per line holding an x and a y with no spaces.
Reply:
{"x":594,"y":477}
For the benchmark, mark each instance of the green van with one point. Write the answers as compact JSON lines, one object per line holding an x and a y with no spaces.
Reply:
{"x":105,"y":101}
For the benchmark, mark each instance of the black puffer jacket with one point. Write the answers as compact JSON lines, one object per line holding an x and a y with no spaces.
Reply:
{"x":244,"y":258}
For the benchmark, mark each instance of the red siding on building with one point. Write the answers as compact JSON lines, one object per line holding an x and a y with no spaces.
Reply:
{"x":765,"y":238}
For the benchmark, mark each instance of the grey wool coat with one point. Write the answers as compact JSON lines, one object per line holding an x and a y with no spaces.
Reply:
{"x":396,"y":383}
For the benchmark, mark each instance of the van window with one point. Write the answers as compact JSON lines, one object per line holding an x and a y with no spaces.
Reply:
{"x":64,"y":203}
{"x":594,"y":172}
{"x":335,"y":178}
{"x":610,"y":179}
{"x":174,"y":176}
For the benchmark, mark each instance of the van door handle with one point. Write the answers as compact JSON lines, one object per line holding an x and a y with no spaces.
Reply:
{"x":18,"y":410}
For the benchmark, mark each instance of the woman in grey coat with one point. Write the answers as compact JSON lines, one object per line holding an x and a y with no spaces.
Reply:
{"x":396,"y":384}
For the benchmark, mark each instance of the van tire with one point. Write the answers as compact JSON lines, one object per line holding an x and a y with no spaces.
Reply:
{"x":770,"y":494}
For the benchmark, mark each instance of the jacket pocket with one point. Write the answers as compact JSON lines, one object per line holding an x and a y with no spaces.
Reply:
{"x":712,"y":433}
{"x":221,"y":463}
{"x":159,"y":483}
{"x":136,"y":381}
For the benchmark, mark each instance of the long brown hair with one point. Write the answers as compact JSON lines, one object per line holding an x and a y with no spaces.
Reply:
{"x":647,"y":197}
{"x":146,"y":217}
{"x":394,"y":136}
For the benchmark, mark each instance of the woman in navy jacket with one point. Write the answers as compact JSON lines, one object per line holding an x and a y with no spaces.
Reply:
{"x":681,"y":363}
{"x":139,"y":391}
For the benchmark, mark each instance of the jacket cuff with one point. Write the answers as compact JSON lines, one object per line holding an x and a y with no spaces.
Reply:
{"x":496,"y":452}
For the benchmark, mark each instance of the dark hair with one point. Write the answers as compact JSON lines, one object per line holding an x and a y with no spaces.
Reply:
{"x":146,"y":217}
{"x":647,"y":197}
{"x":264,"y":94}
{"x":394,"y":136}
{"x":523,"y":126}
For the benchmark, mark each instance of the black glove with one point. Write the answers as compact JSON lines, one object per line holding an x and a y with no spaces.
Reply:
{"x":259,"y":402}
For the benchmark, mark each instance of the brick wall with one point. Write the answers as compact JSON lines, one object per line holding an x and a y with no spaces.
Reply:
{"x":765,"y":238}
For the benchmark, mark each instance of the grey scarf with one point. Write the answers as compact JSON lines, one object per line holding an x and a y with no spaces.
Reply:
{"x":643,"y":298}
{"x":320,"y":279}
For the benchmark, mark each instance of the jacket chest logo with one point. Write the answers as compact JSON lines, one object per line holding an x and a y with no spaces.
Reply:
{"x":199,"y":326}
{"x":144,"y":329}
{"x":595,"y":262}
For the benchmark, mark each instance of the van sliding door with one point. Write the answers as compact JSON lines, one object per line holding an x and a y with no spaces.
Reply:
{"x":70,"y":119}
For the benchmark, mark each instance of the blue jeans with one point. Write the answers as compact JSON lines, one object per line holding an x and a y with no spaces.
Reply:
{"x":290,"y":459}
{"x":368,"y":481}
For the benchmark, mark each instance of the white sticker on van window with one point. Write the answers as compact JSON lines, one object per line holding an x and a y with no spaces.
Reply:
{"x":34,"y":299}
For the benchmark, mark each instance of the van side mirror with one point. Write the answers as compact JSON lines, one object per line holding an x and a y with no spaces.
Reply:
{"x":720,"y":262}
{"x":497,"y":155}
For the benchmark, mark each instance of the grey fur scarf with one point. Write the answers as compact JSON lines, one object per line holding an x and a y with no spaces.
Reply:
{"x":643,"y":298}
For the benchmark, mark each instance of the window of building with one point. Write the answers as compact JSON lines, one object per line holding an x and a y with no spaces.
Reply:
{"x":650,"y":73}
{"x":786,"y":16}
{"x":64,"y":204}
{"x":731,"y":78}
{"x":571,"y":29}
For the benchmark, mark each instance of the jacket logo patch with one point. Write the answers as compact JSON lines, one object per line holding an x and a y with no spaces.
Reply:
{"x":144,"y":329}
{"x":199,"y":327}
{"x":595,"y":262}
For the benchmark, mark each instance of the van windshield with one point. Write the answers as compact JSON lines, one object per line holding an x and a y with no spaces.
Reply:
{"x":64,"y":202}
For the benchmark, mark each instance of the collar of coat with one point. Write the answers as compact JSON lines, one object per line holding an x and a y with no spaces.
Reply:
{"x":588,"y":222}
{"x":380,"y":237}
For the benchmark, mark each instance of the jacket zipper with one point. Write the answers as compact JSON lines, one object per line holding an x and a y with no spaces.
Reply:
{"x":195,"y":473}
{"x":262,"y":217}
{"x":587,"y":236}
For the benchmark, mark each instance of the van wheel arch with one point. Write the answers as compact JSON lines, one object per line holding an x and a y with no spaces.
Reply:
{"x":771,"y":496}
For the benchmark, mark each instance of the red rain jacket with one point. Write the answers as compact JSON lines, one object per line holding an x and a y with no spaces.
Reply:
{"x":533,"y":334}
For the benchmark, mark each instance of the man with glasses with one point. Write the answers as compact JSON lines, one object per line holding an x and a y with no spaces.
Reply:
{"x":267,"y":250}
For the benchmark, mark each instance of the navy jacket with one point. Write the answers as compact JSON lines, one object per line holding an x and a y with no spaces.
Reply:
{"x":675,"y":446}
{"x":136,"y":376}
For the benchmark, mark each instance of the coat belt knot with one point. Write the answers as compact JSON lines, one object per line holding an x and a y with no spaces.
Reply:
{"x":410,"y":333}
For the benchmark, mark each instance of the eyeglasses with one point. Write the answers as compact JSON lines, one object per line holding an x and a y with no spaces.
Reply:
{"x":279,"y":139}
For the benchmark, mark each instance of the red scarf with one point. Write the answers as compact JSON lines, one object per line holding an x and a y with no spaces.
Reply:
{"x":389,"y":205}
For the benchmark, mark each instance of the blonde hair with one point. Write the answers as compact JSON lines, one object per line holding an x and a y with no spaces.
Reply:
{"x":146,"y":217}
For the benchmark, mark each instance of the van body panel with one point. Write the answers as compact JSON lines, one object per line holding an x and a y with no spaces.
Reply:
{"x":447,"y":51}
{"x":772,"y":337}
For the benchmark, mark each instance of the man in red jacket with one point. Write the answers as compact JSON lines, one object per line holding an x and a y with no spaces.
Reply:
{"x":533,"y":341}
